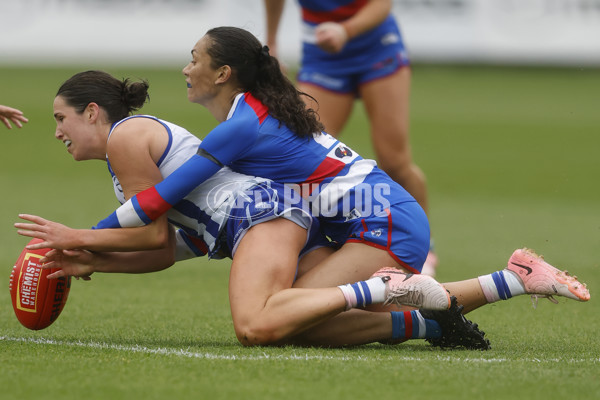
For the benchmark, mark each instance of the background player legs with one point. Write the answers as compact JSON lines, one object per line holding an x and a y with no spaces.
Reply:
{"x":333,"y":108}
{"x":386,"y":101}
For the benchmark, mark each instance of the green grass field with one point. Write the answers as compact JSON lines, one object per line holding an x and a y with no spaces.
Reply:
{"x":512,"y":158}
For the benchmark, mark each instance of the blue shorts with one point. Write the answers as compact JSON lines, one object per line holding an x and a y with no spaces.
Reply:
{"x":402,"y":230}
{"x":367,"y":57}
{"x":349,"y":83}
{"x":266,"y":202}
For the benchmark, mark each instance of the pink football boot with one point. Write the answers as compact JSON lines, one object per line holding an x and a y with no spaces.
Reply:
{"x":541,"y":279}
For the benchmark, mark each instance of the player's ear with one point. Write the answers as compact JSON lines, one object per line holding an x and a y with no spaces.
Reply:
{"x":223,"y":74}
{"x":91,"y":112}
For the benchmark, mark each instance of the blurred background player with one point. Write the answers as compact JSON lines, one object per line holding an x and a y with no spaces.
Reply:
{"x":8,"y":115}
{"x":354,"y":49}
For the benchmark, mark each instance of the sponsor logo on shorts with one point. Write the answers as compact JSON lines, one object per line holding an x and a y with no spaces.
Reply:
{"x":322,"y":80}
{"x":390,"y":38}
{"x":376,"y":232}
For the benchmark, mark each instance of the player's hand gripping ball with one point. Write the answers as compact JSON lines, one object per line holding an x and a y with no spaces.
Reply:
{"x":37,"y":300}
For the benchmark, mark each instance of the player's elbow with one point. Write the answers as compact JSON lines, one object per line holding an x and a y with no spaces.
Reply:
{"x":157,"y":237}
{"x":162,"y":239}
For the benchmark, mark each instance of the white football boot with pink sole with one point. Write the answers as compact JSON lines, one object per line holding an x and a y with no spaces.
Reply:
{"x":420,"y":291}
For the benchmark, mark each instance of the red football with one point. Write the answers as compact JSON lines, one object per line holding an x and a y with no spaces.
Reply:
{"x":37,"y":300}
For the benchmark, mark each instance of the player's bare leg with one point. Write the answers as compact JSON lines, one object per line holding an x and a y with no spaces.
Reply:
{"x":390,"y":324}
{"x":260,"y":282}
{"x":333,"y":108}
{"x":261,"y":294}
{"x":353,"y":262}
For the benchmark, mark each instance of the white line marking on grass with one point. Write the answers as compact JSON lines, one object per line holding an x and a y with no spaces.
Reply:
{"x":290,"y":357}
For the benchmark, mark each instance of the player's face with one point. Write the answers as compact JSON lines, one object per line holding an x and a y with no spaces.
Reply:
{"x":199,"y":75}
{"x":74,"y":131}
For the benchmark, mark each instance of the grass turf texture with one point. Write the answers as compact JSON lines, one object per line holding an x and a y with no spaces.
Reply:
{"x":511,"y":157}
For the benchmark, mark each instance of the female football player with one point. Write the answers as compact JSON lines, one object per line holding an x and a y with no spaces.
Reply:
{"x":92,"y":111}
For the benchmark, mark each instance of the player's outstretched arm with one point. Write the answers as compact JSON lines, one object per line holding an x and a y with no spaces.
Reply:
{"x":83,"y":263}
{"x":58,"y":236}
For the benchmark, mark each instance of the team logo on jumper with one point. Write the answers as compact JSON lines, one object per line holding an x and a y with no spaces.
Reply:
{"x":343,"y":151}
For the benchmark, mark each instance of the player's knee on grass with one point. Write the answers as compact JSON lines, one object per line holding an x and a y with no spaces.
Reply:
{"x":256,"y":334}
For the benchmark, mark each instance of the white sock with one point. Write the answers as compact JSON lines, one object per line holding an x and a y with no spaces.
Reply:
{"x":363,"y":293}
{"x":501,"y":285}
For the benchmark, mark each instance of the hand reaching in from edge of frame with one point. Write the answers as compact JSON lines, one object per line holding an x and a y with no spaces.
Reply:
{"x":8,"y":114}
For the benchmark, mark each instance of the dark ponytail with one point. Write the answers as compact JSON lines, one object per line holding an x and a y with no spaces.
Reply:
{"x":118,"y":98}
{"x":259,"y":73}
